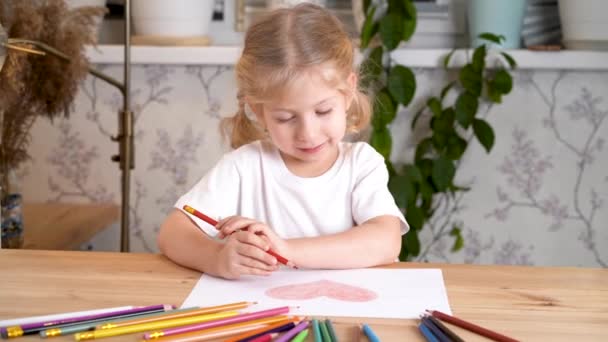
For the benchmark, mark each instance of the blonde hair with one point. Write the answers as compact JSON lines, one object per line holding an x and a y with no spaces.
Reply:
{"x":280,"y":48}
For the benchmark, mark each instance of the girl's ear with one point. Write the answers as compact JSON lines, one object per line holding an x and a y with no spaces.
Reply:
{"x":258,"y":110}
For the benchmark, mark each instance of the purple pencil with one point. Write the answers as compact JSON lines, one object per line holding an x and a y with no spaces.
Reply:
{"x":36,"y":325}
{"x":217,"y":323}
{"x":293,"y":332}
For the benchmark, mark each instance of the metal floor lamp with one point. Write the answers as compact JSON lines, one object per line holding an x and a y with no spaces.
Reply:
{"x":124,"y":138}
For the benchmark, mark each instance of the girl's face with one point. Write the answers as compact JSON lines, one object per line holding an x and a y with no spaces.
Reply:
{"x":307,"y":122}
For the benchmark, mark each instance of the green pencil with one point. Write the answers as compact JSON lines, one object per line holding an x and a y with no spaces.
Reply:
{"x":324,"y":332}
{"x":316,"y":331}
{"x":301,"y":336}
{"x":330,"y":330}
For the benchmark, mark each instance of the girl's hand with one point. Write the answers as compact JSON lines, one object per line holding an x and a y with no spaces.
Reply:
{"x":244,"y":252}
{"x":234,"y":224}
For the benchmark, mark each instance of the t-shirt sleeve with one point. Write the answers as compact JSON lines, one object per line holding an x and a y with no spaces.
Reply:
{"x":215,"y":195}
{"x":371,"y":196}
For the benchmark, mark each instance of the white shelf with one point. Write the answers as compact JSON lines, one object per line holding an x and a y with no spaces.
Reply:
{"x":178,"y":55}
{"x":526,"y":59}
{"x":418,"y":58}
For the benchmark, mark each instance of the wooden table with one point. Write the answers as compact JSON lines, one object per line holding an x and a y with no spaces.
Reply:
{"x":527,"y":303}
{"x":65,"y":226}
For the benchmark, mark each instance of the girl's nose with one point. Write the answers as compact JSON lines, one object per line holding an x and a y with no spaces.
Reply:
{"x":306,"y":130}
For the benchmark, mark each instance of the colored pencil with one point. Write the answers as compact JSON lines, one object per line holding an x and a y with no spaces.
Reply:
{"x":36,"y":327}
{"x":316,"y":331}
{"x":280,"y":329}
{"x":330,"y":330}
{"x":471,"y":327}
{"x":260,"y":331}
{"x":293,"y":332}
{"x":226,"y":330}
{"x":428,"y":335}
{"x":441,"y":337}
{"x":206,"y":325}
{"x":213,"y":222}
{"x":90,"y":335}
{"x":53,"y":317}
{"x":170,"y":315}
{"x":68,"y":329}
{"x":371,"y":335}
{"x":301,"y":336}
{"x":264,"y":338}
{"x":445,"y":329}
{"x":324,"y":332}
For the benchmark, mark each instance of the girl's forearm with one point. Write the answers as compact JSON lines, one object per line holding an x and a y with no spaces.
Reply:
{"x":184,"y":243}
{"x":375,"y":242}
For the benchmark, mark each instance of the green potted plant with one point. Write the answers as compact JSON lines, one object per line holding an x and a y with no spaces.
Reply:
{"x":419,"y":185}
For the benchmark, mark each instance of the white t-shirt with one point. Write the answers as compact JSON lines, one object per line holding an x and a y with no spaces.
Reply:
{"x":254,"y":182}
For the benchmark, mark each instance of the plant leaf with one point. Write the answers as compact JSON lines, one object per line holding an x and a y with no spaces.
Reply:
{"x":384,"y":110}
{"x":410,"y":21}
{"x":391,"y":30}
{"x":498,"y":39}
{"x":412,"y":243}
{"x":446,"y":60}
{"x":510,"y":60}
{"x":458,"y":240}
{"x":373,"y":63}
{"x":366,"y":4}
{"x":484,"y":134}
{"x":382,"y":141}
{"x":401,"y":84}
{"x":402,"y":189}
{"x":413,"y":173}
{"x":416,"y":117}
{"x":423,"y":148}
{"x":414,"y":216}
{"x":471,"y":79}
{"x":369,"y":28}
{"x":466,"y":107}
{"x":456,"y":147}
{"x":443,"y":173}
{"x":502,"y":82}
{"x":446,"y":89}
{"x":434,"y":106}
{"x":479,"y":58}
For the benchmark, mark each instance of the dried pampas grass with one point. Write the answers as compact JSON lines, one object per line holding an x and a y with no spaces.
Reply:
{"x":33,"y":85}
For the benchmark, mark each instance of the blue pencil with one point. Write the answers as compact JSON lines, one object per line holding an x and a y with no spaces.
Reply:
{"x":441,"y":336}
{"x":371,"y":335}
{"x":428,"y":335}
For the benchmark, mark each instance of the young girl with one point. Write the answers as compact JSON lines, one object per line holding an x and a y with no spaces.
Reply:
{"x":291,"y":184}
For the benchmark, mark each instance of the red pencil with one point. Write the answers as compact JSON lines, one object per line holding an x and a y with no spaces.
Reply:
{"x":213,"y":222}
{"x":471,"y":327}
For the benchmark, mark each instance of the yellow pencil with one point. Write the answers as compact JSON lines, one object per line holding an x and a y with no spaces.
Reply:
{"x":90,"y":335}
{"x":223,"y":331}
{"x":169,"y":315}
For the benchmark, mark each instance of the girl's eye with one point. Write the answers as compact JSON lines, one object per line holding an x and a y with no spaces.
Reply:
{"x":284,"y":119}
{"x":323,"y":112}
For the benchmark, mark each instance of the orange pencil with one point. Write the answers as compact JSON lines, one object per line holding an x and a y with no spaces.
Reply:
{"x":213,"y":222}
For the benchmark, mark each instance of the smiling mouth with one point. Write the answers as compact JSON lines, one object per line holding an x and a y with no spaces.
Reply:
{"x":312,"y":149}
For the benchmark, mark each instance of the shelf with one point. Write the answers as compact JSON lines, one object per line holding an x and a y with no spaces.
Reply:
{"x":417,"y":58}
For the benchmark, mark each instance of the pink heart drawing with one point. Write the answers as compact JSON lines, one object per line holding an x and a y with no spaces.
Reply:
{"x":322,"y":288}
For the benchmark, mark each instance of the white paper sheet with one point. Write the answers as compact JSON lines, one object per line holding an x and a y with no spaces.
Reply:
{"x":384,"y":293}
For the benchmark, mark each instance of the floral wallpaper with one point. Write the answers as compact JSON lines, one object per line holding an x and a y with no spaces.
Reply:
{"x":538,"y":198}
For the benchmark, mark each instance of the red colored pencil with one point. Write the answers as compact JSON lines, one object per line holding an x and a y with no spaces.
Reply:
{"x":471,"y":327}
{"x":213,"y":222}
